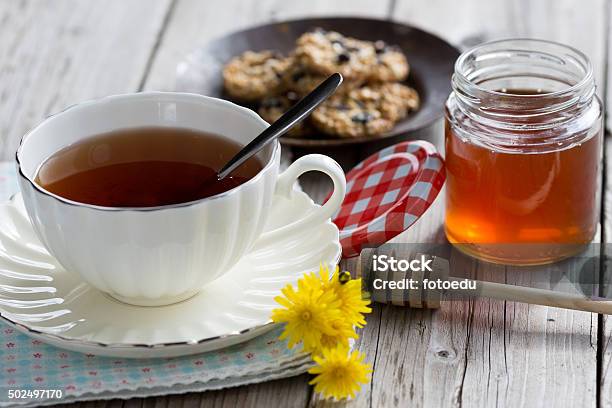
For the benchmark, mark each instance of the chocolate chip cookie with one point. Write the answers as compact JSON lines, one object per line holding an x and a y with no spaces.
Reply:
{"x":367,"y":111}
{"x":326,"y":52}
{"x":253,"y":75}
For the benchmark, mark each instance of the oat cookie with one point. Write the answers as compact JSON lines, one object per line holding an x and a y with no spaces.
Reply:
{"x":367,"y":111}
{"x":391,"y":64}
{"x":392,"y":99}
{"x":326,"y":52}
{"x":273,"y":107}
{"x":253,"y":75}
{"x":346,"y":117}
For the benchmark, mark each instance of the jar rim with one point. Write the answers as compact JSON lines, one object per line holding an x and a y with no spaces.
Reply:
{"x":581,"y":57}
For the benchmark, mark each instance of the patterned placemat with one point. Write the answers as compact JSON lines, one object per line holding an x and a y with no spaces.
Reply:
{"x":29,"y":365}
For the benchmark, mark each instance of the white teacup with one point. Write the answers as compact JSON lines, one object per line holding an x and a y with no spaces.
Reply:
{"x":160,"y":255}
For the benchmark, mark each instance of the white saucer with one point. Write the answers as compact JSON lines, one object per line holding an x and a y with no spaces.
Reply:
{"x":43,"y":300}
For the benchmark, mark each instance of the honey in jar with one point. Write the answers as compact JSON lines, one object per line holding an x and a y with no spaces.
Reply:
{"x":523,"y":142}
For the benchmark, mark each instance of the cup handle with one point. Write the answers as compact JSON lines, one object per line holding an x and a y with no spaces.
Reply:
{"x":284,"y":187}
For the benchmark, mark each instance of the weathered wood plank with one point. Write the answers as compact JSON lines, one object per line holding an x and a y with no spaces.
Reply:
{"x":605,"y":391}
{"x":519,"y":354}
{"x":582,"y":25}
{"x":54,"y":54}
{"x":194,"y":22}
{"x":288,"y":390}
{"x":608,"y":96}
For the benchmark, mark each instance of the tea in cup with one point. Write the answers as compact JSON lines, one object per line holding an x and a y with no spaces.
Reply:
{"x":118,"y":190}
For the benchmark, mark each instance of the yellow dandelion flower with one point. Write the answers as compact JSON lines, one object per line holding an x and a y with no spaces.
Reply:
{"x":323,"y":279}
{"x":343,"y":332}
{"x":308,"y":313}
{"x":338,"y":373}
{"x":352,"y":304}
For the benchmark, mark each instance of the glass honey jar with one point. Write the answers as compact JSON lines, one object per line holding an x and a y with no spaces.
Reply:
{"x":523,"y":141}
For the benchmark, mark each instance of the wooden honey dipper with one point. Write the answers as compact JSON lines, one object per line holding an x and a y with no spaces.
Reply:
{"x":430,"y":298}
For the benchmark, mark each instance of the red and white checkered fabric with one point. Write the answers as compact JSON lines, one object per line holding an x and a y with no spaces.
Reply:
{"x":387,"y":193}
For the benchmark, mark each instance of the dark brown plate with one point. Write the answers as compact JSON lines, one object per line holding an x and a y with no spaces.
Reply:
{"x":431,"y":62}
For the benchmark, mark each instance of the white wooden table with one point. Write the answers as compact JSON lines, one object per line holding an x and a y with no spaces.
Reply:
{"x":479,"y":353}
